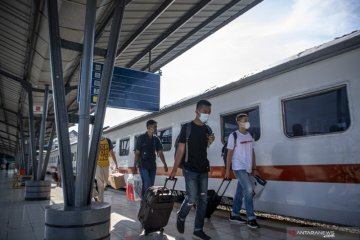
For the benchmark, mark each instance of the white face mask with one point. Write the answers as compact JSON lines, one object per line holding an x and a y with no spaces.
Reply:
{"x":204,"y":117}
{"x":245,"y":125}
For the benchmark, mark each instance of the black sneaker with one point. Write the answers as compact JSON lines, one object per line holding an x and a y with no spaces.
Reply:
{"x":253,"y":224}
{"x":180,"y":224}
{"x":201,"y":235}
{"x":236,"y":219}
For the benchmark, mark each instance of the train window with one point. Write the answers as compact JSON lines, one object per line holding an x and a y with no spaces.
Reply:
{"x":316,"y":113}
{"x":229,"y":123}
{"x":124,"y":147}
{"x":165,"y":138}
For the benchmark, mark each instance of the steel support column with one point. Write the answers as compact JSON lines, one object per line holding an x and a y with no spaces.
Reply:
{"x":32,"y":135}
{"x":104,"y":92}
{"x":60,"y":109}
{"x":42,"y":133}
{"x":27,"y":157}
{"x":17,"y":157}
{"x":46,"y":162}
{"x":82,"y":165}
{"x":22,"y":144}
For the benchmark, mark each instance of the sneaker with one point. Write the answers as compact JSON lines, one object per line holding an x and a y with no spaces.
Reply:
{"x":236,"y":219}
{"x":180,"y":224}
{"x":253,"y":224}
{"x":201,"y":235}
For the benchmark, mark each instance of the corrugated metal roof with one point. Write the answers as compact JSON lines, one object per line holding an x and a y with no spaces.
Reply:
{"x":164,"y":29}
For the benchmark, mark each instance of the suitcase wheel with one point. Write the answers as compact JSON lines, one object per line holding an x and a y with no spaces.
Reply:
{"x":147,"y":231}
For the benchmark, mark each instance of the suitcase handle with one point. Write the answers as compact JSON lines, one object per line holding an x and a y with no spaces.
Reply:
{"x":170,"y":179}
{"x":227,"y":185}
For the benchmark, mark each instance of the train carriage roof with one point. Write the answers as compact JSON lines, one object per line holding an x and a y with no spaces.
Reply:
{"x":166,"y":28}
{"x":335,"y":47}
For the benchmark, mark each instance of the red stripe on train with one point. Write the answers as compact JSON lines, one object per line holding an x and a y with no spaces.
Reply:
{"x":329,"y":173}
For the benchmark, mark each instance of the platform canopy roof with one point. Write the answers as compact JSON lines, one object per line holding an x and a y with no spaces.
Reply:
{"x":153,"y":33}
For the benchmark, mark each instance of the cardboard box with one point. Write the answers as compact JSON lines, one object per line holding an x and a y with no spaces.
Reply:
{"x":117,"y":181}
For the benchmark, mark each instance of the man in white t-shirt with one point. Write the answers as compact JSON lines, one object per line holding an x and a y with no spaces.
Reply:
{"x":242,"y":157}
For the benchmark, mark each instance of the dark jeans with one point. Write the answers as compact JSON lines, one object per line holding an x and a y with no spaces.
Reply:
{"x":147,"y":178}
{"x":196,"y":192}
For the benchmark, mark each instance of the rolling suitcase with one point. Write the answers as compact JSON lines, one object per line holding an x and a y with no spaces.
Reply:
{"x":156,"y":207}
{"x":214,"y":199}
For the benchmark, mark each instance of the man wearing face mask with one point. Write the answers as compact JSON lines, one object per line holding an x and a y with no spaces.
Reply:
{"x":195,"y":168}
{"x":241,"y":155}
{"x":147,"y":145}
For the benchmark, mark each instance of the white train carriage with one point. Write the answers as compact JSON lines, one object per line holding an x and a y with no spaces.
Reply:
{"x":53,"y":164}
{"x":305,"y":118}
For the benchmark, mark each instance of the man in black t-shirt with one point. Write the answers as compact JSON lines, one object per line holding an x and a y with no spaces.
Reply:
{"x":195,"y":168}
{"x":145,"y":153}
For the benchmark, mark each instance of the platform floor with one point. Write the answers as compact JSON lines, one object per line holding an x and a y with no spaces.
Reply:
{"x":20,"y":219}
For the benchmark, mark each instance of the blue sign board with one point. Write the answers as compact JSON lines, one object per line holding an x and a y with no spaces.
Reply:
{"x":129,"y":89}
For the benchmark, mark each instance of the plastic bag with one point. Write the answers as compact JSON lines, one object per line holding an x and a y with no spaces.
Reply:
{"x":130,"y":188}
{"x":260,"y":180}
{"x":137,"y":188}
{"x":258,"y":185}
{"x":133,"y":188}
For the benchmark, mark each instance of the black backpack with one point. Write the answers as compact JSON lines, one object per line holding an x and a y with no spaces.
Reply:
{"x":224,"y":149}
{"x":176,"y":145}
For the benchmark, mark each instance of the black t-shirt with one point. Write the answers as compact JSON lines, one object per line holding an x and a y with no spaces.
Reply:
{"x":198,"y":142}
{"x":147,"y":147}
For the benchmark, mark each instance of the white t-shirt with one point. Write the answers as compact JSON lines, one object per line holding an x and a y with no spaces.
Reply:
{"x":242,"y":157}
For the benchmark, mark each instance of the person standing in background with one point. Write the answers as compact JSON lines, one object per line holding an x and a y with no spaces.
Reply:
{"x":103,"y":165}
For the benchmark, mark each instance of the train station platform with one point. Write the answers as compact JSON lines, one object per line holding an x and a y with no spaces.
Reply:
{"x":20,"y":219}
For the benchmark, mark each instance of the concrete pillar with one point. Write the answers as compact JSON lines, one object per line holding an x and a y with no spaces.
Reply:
{"x":90,"y":222}
{"x":37,"y":190}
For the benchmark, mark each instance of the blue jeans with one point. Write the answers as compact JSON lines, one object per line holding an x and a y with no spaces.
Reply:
{"x":196,"y":192}
{"x":147,"y":178}
{"x":244,"y":190}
